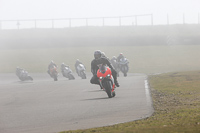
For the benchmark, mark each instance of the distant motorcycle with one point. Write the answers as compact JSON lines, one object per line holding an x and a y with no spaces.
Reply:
{"x":81,"y":71}
{"x":67,"y":72}
{"x":123,"y":66}
{"x":106,"y":80}
{"x":53,"y":73}
{"x":23,"y":75}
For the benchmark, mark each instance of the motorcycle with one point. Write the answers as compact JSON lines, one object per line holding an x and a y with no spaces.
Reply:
{"x":123,"y":66}
{"x":81,"y":71}
{"x":53,"y":73}
{"x":106,"y":80}
{"x":67,"y":72}
{"x":23,"y":75}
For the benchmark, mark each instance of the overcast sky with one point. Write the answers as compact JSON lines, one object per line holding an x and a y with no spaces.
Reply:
{"x":51,"y":9}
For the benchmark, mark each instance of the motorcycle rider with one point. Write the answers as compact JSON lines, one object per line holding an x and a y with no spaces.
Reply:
{"x":18,"y":71}
{"x":63,"y":66}
{"x":52,"y":64}
{"x":113,"y":59}
{"x":114,"y":62}
{"x":98,"y":59}
{"x":76,"y":64}
{"x":104,"y":55}
{"x":121,"y":56}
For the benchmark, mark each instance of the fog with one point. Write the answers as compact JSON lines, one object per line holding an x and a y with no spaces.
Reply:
{"x":54,"y":9}
{"x":175,"y":22}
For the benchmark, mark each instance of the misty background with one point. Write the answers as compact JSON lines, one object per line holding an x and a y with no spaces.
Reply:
{"x":44,"y":11}
{"x":156,"y":36}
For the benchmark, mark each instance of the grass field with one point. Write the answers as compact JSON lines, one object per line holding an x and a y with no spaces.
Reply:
{"x":176,"y":100}
{"x":143,"y":59}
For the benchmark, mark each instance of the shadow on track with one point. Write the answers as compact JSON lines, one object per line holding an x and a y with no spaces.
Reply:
{"x":96,"y":98}
{"x":95,"y":91}
{"x":24,"y":82}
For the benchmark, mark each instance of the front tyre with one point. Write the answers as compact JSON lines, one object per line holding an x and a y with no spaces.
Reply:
{"x":83,"y":75}
{"x":71,"y":77}
{"x":125,"y":74}
{"x":30,"y":78}
{"x":108,"y":89}
{"x":55,"y":79}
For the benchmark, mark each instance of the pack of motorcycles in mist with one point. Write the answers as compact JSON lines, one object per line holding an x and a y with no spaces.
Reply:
{"x":104,"y":73}
{"x":119,"y":65}
{"x":53,"y":72}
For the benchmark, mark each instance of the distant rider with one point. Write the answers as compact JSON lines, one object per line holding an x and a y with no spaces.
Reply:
{"x":98,"y":59}
{"x":76,"y":64}
{"x":104,"y":55}
{"x":114,"y":62}
{"x":52,"y":64}
{"x":19,"y":71}
{"x":63,"y":67}
{"x":121,"y":56}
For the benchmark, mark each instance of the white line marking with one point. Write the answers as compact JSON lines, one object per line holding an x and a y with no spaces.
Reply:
{"x":146,"y":84}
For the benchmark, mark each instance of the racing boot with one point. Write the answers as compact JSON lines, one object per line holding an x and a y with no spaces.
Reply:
{"x":116,"y":83}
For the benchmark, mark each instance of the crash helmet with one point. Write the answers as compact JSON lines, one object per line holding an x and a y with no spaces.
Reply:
{"x":97,"y":54}
{"x":103,"y":54}
{"x":121,"y":55}
{"x":114,"y":57}
{"x":62,"y":65}
{"x":52,"y":62}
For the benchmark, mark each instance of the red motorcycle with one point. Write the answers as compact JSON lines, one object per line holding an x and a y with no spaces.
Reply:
{"x":106,"y":80}
{"x":54,"y":73}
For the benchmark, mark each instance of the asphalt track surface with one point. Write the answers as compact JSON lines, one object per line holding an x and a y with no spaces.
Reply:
{"x":47,"y":106}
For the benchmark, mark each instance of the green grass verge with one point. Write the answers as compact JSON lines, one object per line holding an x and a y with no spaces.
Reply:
{"x":176,"y":100}
{"x":143,"y":59}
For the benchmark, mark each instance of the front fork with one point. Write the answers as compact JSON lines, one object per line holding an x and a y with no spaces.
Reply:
{"x":112,"y":82}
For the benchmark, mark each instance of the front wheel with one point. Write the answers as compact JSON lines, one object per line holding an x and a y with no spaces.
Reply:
{"x":108,"y":89}
{"x":71,"y":77}
{"x":55,"y":79}
{"x":83,"y":75}
{"x":30,"y":78}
